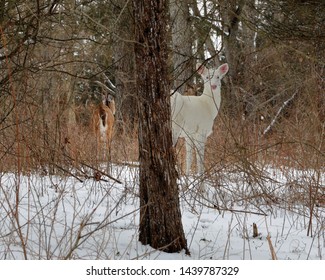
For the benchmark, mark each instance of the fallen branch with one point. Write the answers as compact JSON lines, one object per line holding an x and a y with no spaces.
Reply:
{"x":100,"y":172}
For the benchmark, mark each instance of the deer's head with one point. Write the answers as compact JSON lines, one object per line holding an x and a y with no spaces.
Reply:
{"x":212,"y":76}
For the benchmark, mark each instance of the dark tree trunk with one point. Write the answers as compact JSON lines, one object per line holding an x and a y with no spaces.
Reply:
{"x":160,"y":216}
{"x":123,"y":64}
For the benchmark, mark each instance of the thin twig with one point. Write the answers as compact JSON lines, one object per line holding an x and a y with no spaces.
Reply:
{"x":285,"y":104}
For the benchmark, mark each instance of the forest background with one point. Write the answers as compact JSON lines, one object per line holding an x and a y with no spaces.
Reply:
{"x":52,"y":52}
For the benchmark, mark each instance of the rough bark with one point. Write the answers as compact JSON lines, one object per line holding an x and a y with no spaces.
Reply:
{"x":160,"y":216}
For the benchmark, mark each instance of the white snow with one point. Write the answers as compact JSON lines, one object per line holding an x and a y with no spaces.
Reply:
{"x":60,"y":217}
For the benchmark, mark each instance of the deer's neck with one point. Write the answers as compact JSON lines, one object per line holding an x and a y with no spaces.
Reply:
{"x":212,"y":94}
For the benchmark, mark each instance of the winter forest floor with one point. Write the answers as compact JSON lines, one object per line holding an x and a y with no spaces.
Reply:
{"x":279,"y":214}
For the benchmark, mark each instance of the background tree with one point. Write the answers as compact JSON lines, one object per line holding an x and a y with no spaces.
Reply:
{"x":121,"y":32}
{"x":182,"y":43}
{"x":160,"y":217}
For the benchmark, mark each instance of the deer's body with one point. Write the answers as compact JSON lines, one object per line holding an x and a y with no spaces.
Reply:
{"x":193,"y":116}
{"x":103,"y":123}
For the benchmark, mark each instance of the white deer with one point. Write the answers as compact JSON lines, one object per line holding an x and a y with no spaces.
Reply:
{"x":193,"y":116}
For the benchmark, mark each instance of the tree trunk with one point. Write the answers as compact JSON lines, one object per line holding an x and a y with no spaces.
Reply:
{"x":231,"y":13}
{"x":160,"y":216}
{"x":182,"y":44}
{"x":123,"y":59}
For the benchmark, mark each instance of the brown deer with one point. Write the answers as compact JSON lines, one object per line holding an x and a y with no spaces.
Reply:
{"x":103,"y":122}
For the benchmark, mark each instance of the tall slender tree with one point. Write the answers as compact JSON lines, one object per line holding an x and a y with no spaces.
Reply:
{"x":160,"y":216}
{"x":182,"y":43}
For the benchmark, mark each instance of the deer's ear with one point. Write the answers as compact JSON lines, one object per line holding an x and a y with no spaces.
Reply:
{"x":224,"y":69}
{"x":200,"y":68}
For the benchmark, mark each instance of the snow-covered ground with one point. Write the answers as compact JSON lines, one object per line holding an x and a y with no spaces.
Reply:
{"x":61,"y":217}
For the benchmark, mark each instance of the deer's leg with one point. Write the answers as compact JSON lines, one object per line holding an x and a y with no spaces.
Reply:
{"x":175,"y":133}
{"x":188,"y":152}
{"x":200,"y":145}
{"x":109,"y":142}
